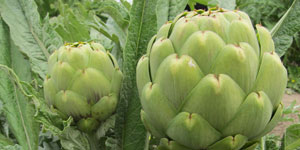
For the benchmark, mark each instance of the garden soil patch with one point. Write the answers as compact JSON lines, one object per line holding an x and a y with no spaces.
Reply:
{"x":287,"y":100}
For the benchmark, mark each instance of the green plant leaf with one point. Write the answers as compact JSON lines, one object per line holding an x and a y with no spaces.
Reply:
{"x":126,"y":4}
{"x":11,"y":147}
{"x":26,"y":31}
{"x":167,"y":10}
{"x":19,"y":111}
{"x":68,"y":24}
{"x":72,"y":139}
{"x":130,"y":130}
{"x":116,"y":10}
{"x":227,"y":4}
{"x":292,"y":137}
{"x":203,"y":2}
{"x":286,"y":27}
{"x":264,"y":12}
{"x":4,"y":141}
{"x":50,"y":37}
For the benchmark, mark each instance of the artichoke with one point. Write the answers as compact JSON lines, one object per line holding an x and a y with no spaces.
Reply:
{"x":83,"y":81}
{"x":208,"y":81}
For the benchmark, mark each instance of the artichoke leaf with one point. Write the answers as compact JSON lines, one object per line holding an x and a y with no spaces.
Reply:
{"x":230,"y":143}
{"x":252,"y":117}
{"x":192,"y":130}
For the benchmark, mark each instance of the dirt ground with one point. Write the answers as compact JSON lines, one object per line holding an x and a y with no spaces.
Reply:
{"x":287,"y":100}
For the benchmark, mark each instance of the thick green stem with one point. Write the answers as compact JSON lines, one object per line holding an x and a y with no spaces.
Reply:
{"x":93,"y":141}
{"x":262,"y":143}
{"x":147,"y":140}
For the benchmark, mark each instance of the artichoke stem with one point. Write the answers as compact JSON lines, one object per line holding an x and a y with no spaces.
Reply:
{"x":262,"y":143}
{"x":147,"y":141}
{"x":93,"y":141}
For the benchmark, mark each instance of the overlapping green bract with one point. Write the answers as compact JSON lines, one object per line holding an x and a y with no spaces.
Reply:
{"x":209,"y":81}
{"x":83,"y":82}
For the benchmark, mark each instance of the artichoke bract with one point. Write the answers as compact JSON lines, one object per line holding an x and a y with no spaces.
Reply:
{"x":210,"y":81}
{"x":83,"y":81}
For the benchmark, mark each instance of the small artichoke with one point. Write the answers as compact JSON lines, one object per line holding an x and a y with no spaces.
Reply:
{"x":208,"y":81}
{"x":83,"y":82}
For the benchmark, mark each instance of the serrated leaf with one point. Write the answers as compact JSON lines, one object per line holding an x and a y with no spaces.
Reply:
{"x":114,"y":29}
{"x":11,"y":147}
{"x":116,"y":10}
{"x":286,"y":27}
{"x":105,"y":126}
{"x":292,"y":137}
{"x":227,"y":4}
{"x":167,"y":10}
{"x":71,"y":27}
{"x":130,"y":130}
{"x":24,"y":23}
{"x":72,"y":139}
{"x":19,"y":111}
{"x":51,"y":39}
{"x":4,"y":141}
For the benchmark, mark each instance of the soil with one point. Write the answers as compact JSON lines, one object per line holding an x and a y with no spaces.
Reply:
{"x":287,"y":100}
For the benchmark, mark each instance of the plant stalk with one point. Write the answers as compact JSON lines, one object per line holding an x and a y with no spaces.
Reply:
{"x":262,"y":143}
{"x":93,"y":141}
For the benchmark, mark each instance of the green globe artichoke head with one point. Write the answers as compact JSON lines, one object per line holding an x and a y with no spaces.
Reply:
{"x":83,"y":82}
{"x":210,"y":81}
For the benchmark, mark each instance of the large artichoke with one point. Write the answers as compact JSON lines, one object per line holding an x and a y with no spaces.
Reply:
{"x":83,"y":82}
{"x":208,"y":81}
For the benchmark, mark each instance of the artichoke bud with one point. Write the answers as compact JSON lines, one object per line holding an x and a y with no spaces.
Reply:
{"x":213,"y":90}
{"x":97,"y":46}
{"x":181,"y":31}
{"x":143,"y":74}
{"x":116,"y":81}
{"x":231,"y":15}
{"x":163,"y":32}
{"x":147,"y":123}
{"x":250,"y":146}
{"x":152,"y":95}
{"x":235,"y":36}
{"x":160,"y":50}
{"x":171,"y":76}
{"x":165,"y":144}
{"x":84,"y":82}
{"x":230,"y":142}
{"x":212,"y":23}
{"x":190,"y":14}
{"x":149,"y":46}
{"x":190,"y":128}
{"x":271,"y":70}
{"x":276,"y":117}
{"x":105,"y":65}
{"x":76,"y":58}
{"x":105,"y":107}
{"x":87,"y":125}
{"x":113,"y":59}
{"x":72,"y":103}
{"x":244,"y":16}
{"x":206,"y":61}
{"x":62,"y":74}
{"x":258,"y":108}
{"x":265,"y":40}
{"x":91,"y":83}
{"x":49,"y":90}
{"x":201,"y":50}
{"x":243,"y":64}
{"x":179,"y":17}
{"x":52,"y":61}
